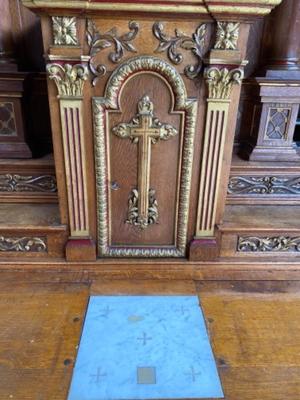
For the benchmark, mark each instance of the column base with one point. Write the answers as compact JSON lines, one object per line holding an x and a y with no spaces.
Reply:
{"x":264,"y":153}
{"x":205,"y":249}
{"x":81,"y":249}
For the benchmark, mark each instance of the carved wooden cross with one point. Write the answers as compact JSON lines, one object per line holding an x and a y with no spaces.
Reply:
{"x":145,"y":130}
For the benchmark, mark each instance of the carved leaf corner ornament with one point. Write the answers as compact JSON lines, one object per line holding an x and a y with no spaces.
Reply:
{"x":64,"y":31}
{"x":227,"y":35}
{"x":98,"y":41}
{"x":194,"y":43}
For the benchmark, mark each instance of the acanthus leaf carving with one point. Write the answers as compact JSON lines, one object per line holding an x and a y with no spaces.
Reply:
{"x":268,"y":244}
{"x":23,"y":244}
{"x":99,"y":41}
{"x":171,"y":44}
{"x":221,"y":80}
{"x":69,"y":79}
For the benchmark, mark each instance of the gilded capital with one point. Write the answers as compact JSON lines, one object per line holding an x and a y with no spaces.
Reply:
{"x":221,"y":80}
{"x":227,"y":35}
{"x":69,"y":79}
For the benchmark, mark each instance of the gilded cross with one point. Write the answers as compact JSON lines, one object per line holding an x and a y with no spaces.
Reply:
{"x":145,"y":130}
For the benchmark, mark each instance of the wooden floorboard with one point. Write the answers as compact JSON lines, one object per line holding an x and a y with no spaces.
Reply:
{"x":254,"y":330}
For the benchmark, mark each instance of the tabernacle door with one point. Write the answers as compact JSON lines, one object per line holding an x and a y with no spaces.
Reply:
{"x":144,"y":130}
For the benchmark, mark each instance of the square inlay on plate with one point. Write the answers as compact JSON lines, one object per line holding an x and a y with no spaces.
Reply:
{"x":144,"y":347}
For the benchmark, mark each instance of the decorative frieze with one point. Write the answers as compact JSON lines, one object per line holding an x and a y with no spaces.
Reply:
{"x":98,"y":41}
{"x":28,"y":183}
{"x":263,"y":185}
{"x":172,"y":44}
{"x":23,"y":244}
{"x":69,"y":79}
{"x":64,"y":31}
{"x":268,"y":244}
{"x":227,"y":35}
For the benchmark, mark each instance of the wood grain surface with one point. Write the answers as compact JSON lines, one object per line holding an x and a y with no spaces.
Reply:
{"x":253,"y":326}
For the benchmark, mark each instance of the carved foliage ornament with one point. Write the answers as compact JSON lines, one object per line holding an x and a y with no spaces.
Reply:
{"x":268,"y":244}
{"x":27,"y":183}
{"x":99,"y":41}
{"x":68,"y":78}
{"x":227,"y":35}
{"x":144,"y":129}
{"x":23,"y":244}
{"x":64,"y":31}
{"x":268,"y":185}
{"x":181,"y":40}
{"x":221,"y":80}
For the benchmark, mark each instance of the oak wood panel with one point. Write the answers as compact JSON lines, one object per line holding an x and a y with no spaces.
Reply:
{"x":255,"y":337}
{"x":40,"y":329}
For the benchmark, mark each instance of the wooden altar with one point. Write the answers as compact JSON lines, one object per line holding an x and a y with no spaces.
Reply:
{"x":145,"y":102}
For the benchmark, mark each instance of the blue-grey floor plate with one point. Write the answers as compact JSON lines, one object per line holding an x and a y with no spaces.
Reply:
{"x":144,"y":347}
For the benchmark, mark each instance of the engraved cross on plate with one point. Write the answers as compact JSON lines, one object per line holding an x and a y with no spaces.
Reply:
{"x":145,"y":130}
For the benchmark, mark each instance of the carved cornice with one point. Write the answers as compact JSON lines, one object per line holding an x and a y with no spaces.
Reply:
{"x":69,"y":79}
{"x":245,"y":8}
{"x":241,"y":7}
{"x":23,"y":244}
{"x":268,"y":244}
{"x":221,"y":80}
{"x":263,"y":185}
{"x":194,"y":43}
{"x":28,"y":183}
{"x":227,"y":35}
{"x":111,"y":102}
{"x":99,"y":41}
{"x":64,"y":31}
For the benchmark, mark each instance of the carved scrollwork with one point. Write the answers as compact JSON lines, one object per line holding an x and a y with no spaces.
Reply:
{"x":64,"y":31}
{"x":69,"y":79}
{"x":171,"y":44}
{"x":100,"y":41}
{"x":133,"y":210}
{"x":267,"y":185}
{"x":227,"y":35}
{"x":268,"y":244}
{"x":27,"y":183}
{"x":221,"y":80}
{"x":23,"y":244}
